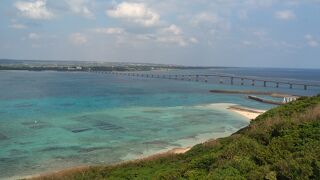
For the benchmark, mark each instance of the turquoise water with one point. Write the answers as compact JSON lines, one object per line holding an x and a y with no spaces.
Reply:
{"x":53,"y":120}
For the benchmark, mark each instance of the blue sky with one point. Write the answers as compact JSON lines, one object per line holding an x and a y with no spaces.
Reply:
{"x":258,"y":33}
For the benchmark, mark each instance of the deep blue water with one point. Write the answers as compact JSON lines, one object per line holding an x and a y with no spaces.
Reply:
{"x":52,"y":120}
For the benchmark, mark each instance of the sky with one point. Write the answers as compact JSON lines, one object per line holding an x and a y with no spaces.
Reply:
{"x":243,"y":33}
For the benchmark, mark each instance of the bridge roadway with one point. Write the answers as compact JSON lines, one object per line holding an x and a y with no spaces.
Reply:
{"x":222,"y":77}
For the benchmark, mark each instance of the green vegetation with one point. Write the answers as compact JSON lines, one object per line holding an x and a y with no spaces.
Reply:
{"x":283,"y":143}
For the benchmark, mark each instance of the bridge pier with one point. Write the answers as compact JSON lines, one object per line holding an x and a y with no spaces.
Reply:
{"x":205,"y":78}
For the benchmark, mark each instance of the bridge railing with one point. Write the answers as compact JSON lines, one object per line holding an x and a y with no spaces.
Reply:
{"x":220,"y":79}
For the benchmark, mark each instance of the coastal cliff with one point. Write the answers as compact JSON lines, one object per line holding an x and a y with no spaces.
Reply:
{"x":282,"y":143}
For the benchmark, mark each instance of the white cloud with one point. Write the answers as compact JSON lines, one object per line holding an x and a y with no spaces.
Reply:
{"x":113,"y":30}
{"x":260,"y":33}
{"x":135,"y":12}
{"x":35,"y":10}
{"x":210,"y":22}
{"x":172,"y":39}
{"x":33,"y":36}
{"x":205,"y":17}
{"x":260,"y":3}
{"x":308,"y":37}
{"x":170,"y":35}
{"x":18,"y":26}
{"x":174,"y":35}
{"x":80,"y":7}
{"x":247,"y":43}
{"x":193,"y":40}
{"x":172,"y":29}
{"x":311,"y":41}
{"x":78,"y":38}
{"x":285,"y":15}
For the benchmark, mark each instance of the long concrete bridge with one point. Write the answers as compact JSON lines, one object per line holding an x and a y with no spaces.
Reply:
{"x":219,"y":78}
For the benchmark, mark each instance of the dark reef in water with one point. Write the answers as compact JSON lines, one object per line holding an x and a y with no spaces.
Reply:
{"x":3,"y":137}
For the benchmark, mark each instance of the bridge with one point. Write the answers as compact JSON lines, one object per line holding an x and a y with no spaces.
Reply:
{"x":219,"y":78}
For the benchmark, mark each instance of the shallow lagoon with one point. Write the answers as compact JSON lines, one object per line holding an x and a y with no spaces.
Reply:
{"x":53,"y":120}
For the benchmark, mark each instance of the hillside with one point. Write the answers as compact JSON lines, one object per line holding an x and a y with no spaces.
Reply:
{"x":283,"y":143}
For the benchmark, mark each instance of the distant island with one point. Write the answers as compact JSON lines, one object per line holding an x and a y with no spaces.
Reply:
{"x":35,"y":65}
{"x":282,"y":143}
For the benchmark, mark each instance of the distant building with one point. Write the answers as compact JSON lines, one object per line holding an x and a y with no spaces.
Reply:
{"x":289,"y":99}
{"x":74,"y":68}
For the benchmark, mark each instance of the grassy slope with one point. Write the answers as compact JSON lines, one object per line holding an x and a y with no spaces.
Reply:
{"x":283,"y":143}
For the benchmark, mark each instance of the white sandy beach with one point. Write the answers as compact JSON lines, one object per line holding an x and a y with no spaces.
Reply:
{"x":249,"y":113}
{"x":246,"y":112}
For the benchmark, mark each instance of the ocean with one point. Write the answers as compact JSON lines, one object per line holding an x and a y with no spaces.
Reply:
{"x":55,"y":120}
